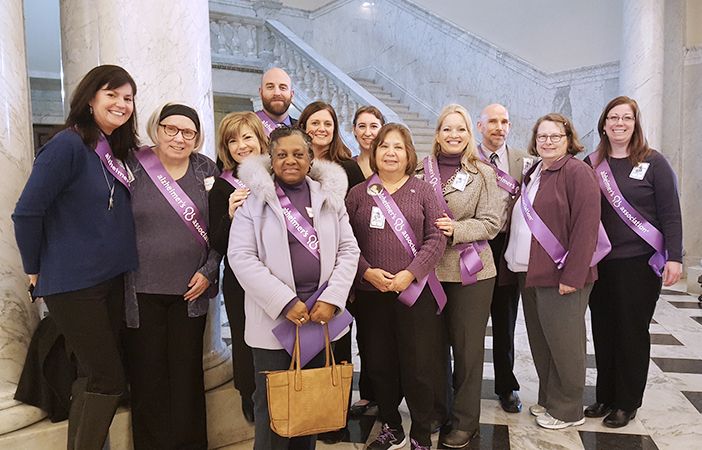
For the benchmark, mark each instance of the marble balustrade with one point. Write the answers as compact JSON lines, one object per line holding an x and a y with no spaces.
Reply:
{"x":241,"y":42}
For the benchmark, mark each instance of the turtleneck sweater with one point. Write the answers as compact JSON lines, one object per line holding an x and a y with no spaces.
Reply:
{"x":448,"y":165}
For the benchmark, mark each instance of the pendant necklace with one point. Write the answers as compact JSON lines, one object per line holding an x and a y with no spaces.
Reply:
{"x":110,"y":202}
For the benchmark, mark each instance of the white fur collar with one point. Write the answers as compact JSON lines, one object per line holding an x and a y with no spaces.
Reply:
{"x":256,"y":173}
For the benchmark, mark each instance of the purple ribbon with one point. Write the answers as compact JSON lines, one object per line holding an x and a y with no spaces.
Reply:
{"x":269,"y":124}
{"x":548,"y":240}
{"x":399,"y":225}
{"x":470,"y":263}
{"x":112,"y":164}
{"x":297,"y":225}
{"x":175,"y":196}
{"x":630,"y":216}
{"x":504,"y":180}
{"x":229,"y":177}
{"x":311,"y":334}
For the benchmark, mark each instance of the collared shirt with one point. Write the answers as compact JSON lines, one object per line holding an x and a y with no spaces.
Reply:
{"x":267,"y":124}
{"x":519,"y":246}
{"x":502,"y":158}
{"x":503,"y":165}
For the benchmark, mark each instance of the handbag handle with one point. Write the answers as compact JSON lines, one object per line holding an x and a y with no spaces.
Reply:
{"x":328,"y":354}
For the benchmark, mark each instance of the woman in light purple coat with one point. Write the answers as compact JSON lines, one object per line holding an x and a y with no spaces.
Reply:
{"x":276,"y":268}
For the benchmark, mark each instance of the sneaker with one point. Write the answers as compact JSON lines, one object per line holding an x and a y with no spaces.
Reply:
{"x":414,"y":445}
{"x":548,"y":421}
{"x":388,"y":439}
{"x":537,"y":410}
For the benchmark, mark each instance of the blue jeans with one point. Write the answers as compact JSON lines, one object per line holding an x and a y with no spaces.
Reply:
{"x":265,"y":438}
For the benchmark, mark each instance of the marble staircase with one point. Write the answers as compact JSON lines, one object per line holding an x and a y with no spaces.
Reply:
{"x":422,"y":130}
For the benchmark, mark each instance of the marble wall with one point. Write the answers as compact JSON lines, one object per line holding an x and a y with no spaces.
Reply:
{"x":691,"y":162}
{"x":408,"y":44}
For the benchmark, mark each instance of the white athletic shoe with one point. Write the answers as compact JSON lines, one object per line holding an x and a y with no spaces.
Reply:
{"x":537,"y":410}
{"x":550,"y":422}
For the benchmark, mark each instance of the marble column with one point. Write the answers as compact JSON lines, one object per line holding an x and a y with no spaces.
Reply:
{"x":165,"y":46}
{"x":18,"y":317}
{"x":642,"y":62}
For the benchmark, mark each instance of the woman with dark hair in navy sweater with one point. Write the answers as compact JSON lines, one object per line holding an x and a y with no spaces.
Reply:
{"x":75,"y":232}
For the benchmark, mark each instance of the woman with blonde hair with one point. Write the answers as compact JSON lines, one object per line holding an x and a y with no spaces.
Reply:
{"x":467,"y":190}
{"x":240,"y":135}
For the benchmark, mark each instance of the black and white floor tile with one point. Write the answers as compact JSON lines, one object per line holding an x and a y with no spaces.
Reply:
{"x":670,"y":418}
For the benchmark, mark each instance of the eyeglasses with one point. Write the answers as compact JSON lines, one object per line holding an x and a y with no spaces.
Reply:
{"x":616,"y":119}
{"x":555,"y":138}
{"x":172,"y":131}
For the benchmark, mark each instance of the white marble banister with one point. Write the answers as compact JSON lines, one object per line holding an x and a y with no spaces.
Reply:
{"x":248,"y":43}
{"x":320,"y":78}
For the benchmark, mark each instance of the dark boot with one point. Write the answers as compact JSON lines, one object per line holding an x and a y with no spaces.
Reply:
{"x":76,"y":411}
{"x":95,"y":420}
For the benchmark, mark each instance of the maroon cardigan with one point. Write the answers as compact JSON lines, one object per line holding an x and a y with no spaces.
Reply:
{"x":568,"y":201}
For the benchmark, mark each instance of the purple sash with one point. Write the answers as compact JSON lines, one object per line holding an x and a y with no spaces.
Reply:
{"x":117,"y":170}
{"x":311,"y":334}
{"x":174,"y":195}
{"x":399,"y":225}
{"x":229,"y":177}
{"x":548,"y":240}
{"x":504,"y":180}
{"x":297,"y":225}
{"x":470,"y":263}
{"x":268,"y":124}
{"x":630,"y":216}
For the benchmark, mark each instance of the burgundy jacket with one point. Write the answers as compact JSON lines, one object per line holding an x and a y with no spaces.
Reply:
{"x":568,"y":201}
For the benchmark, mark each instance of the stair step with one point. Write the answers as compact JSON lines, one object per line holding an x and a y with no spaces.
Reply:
{"x":422,"y":129}
{"x":409,"y":115}
{"x":414,"y":122}
{"x":419,"y":139}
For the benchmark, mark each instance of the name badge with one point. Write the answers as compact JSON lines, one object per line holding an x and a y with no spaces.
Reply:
{"x":639,"y":172}
{"x":527,"y":163}
{"x":460,"y":180}
{"x":377,"y":219}
{"x":209,"y":182}
{"x":310,"y":213}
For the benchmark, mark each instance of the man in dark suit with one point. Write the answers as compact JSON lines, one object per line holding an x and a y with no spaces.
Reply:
{"x":276,"y":95}
{"x":510,"y":164}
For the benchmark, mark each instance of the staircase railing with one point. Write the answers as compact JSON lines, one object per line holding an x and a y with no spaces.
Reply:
{"x":247,"y":43}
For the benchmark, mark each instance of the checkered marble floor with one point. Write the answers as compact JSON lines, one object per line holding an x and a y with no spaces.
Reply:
{"x":670,"y":418}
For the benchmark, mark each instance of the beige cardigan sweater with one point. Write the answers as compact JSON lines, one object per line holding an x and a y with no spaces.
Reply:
{"x":477,"y":211}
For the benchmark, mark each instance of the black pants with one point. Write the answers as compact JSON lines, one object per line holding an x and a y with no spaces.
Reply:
{"x":242,"y":356}
{"x":402,"y":357}
{"x":91,"y":321}
{"x":365,"y":387}
{"x":621,"y":306}
{"x":505,"y":303}
{"x":164,"y":365}
{"x":265,"y":438}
